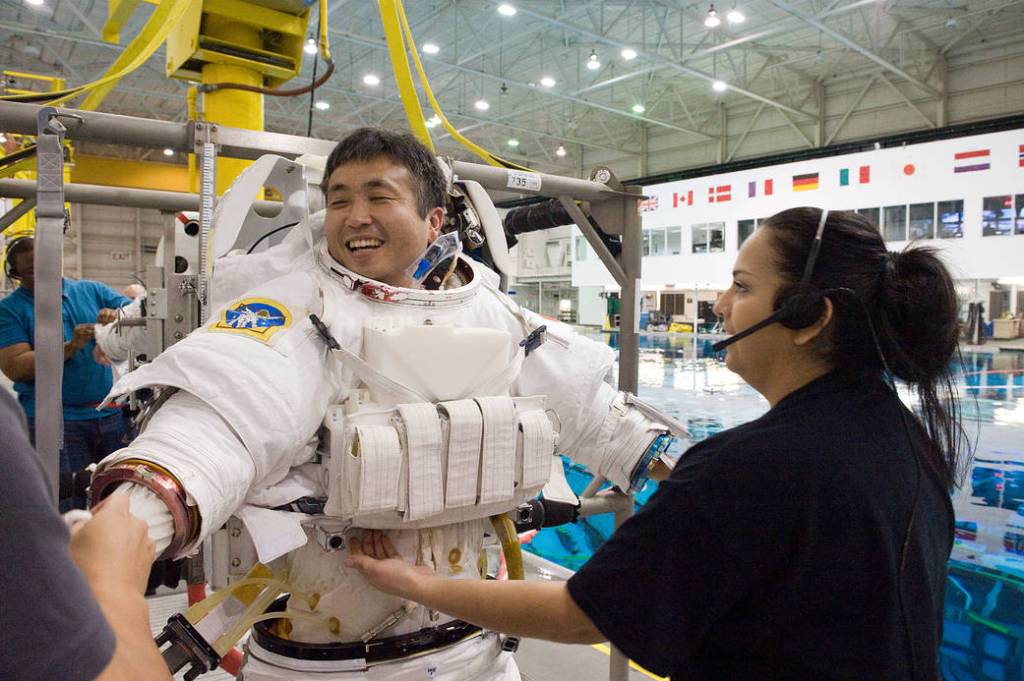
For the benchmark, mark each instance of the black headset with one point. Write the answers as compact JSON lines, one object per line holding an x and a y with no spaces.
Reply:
{"x":13,"y":248}
{"x":797,"y":306}
{"x":800,"y":306}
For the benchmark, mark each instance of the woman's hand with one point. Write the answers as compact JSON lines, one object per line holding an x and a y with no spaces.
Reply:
{"x":376,"y":559}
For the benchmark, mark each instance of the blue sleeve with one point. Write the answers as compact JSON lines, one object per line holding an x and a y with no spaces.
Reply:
{"x":12,"y":328}
{"x":109,"y":297}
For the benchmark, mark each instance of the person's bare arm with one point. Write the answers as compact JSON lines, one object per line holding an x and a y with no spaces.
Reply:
{"x":18,"y":362}
{"x":114,"y":552}
{"x":534,"y":609}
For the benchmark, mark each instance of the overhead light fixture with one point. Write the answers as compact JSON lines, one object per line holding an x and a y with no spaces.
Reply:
{"x":560,"y":151}
{"x":547,"y":81}
{"x":309,"y":47}
{"x":628,"y":53}
{"x":168,"y":152}
{"x":951,"y":23}
{"x":35,"y":3}
{"x":513,"y":142}
{"x":712,"y":20}
{"x":719,"y":86}
{"x":482,"y":104}
{"x":371,"y":79}
{"x":431,"y":48}
{"x":734,"y":16}
{"x":592,"y":62}
{"x":506,"y":10}
{"x":433,"y":121}
{"x":639,"y":108}
{"x":322,"y":105}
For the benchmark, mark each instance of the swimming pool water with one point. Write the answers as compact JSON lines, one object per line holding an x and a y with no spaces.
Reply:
{"x":983,"y":637}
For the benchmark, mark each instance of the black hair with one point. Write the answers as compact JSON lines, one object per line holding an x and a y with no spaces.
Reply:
{"x":913,"y":308}
{"x":14,"y":249}
{"x":367,"y":144}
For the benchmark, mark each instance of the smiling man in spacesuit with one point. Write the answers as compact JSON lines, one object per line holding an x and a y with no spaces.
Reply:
{"x":440,"y":415}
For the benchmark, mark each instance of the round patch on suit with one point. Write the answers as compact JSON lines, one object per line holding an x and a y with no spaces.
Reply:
{"x":258,"y":318}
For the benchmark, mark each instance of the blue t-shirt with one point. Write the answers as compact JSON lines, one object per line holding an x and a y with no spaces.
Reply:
{"x":85,"y":382}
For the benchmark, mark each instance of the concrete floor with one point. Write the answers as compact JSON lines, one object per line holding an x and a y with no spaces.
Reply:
{"x":538,"y":660}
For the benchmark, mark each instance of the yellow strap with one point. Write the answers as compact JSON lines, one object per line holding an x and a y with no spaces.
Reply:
{"x":487,"y":156}
{"x":389,"y":16}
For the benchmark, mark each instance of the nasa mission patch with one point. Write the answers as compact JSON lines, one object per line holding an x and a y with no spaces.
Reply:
{"x":258,"y":318}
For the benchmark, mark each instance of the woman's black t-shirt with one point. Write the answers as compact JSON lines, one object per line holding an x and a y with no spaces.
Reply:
{"x":773,"y":550}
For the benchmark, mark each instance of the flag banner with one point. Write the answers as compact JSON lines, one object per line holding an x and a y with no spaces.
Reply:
{"x":1020,"y":156}
{"x":806,"y":182}
{"x":865,"y":174}
{"x":971,"y":161}
{"x":679,"y":199}
{"x":767,"y":188}
{"x":720,"y":194}
{"x":647,"y":205}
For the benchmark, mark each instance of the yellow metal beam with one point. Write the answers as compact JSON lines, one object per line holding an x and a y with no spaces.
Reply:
{"x":113,"y":172}
{"x":18,"y":167}
{"x":261,"y":17}
{"x":118,"y":12}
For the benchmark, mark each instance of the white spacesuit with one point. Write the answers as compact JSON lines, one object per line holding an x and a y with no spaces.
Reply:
{"x":417,"y":411}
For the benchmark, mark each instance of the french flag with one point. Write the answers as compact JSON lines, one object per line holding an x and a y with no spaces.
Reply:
{"x":970,"y":161}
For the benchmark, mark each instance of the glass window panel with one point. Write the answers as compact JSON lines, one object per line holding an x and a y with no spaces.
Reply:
{"x":581,"y":248}
{"x":895,"y":227}
{"x":922,"y":220}
{"x":950,"y":219}
{"x":996,"y":215}
{"x":645,"y":248}
{"x":674,"y":237}
{"x":871,"y":214}
{"x":700,"y":238}
{"x":716,"y":237}
{"x":1019,"y":199}
{"x":657,"y":241}
{"x":744,"y":228}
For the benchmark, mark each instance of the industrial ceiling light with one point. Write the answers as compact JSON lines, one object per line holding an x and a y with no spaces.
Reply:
{"x":433,"y":121}
{"x":371,"y":79}
{"x":560,"y":151}
{"x":628,"y":53}
{"x":513,"y":142}
{"x":322,"y":105}
{"x":547,"y":81}
{"x":481,"y":104}
{"x":719,"y":86}
{"x":639,"y":108}
{"x":431,"y":48}
{"x":506,"y":10}
{"x":712,"y":20}
{"x":592,"y":62}
{"x":35,"y":3}
{"x":734,"y":16}
{"x":310,"y":46}
{"x":168,"y":152}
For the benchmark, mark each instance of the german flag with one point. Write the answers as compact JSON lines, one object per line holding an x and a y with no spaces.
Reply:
{"x":805,"y":183}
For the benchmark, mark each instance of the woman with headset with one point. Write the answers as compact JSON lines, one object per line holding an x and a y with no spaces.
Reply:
{"x":810,"y":543}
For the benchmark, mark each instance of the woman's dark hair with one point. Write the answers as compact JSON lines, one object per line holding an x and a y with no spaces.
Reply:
{"x":367,"y":144}
{"x":913,"y":308}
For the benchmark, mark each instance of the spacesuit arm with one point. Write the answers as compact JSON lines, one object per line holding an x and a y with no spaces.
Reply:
{"x":192,"y":462}
{"x":611,"y":432}
{"x":117,"y":341}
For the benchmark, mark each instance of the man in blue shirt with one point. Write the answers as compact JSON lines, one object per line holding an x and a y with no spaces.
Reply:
{"x":89,"y":434}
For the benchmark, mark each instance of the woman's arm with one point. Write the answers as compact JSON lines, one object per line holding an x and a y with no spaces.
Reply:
{"x":533,"y":609}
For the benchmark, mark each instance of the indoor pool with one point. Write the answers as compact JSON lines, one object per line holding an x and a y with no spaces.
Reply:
{"x":983,"y":636}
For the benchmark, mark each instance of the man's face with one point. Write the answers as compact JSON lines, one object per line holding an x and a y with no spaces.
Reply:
{"x":24,"y":266}
{"x":373,"y":225}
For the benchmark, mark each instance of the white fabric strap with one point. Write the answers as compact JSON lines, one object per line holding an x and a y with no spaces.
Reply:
{"x":465,"y":430}
{"x":380,"y":455}
{"x":375,"y":379}
{"x":501,"y":381}
{"x":423,"y":447}
{"x":498,"y":456}
{"x":537,"y":447}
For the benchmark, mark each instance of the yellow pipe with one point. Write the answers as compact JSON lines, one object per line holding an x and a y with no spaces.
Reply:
{"x":510,"y":546}
{"x":137,"y":174}
{"x":235,"y":108}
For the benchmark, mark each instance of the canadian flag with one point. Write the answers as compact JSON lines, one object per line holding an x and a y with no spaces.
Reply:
{"x":679,"y":199}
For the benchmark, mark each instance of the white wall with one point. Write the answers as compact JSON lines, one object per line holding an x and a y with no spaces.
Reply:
{"x":970,"y":257}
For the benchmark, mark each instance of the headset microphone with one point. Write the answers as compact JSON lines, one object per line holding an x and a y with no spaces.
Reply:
{"x":794,"y":309}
